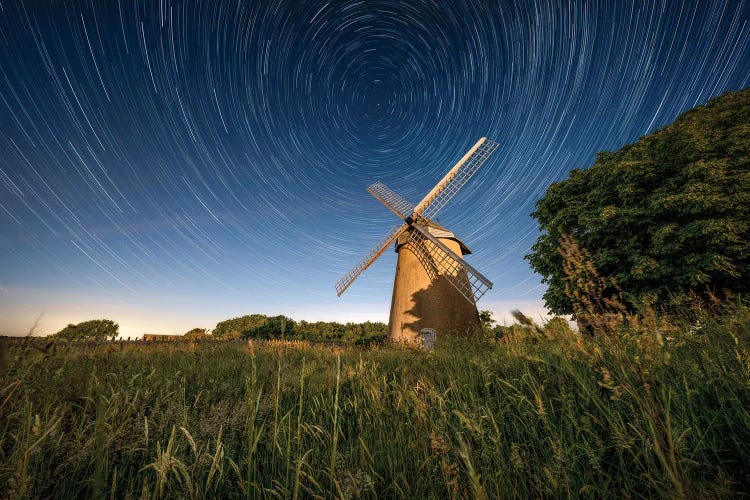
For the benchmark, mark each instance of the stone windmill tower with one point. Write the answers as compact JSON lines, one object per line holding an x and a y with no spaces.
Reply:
{"x":434,"y":287}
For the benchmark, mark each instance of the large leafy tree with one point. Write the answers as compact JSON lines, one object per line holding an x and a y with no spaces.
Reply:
{"x":95,"y":329}
{"x":665,"y":217}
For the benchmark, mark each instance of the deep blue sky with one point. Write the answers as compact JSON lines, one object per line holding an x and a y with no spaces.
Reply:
{"x":169,"y":164}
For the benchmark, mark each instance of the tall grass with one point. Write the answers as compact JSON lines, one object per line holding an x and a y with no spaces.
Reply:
{"x":540,"y":413}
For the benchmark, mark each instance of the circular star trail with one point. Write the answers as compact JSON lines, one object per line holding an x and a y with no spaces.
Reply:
{"x":196,"y":160}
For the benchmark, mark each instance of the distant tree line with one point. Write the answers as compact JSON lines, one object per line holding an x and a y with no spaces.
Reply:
{"x":95,"y":329}
{"x":251,"y":326}
{"x":259,"y":326}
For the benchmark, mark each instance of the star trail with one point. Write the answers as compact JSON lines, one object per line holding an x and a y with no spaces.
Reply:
{"x":170,"y":164}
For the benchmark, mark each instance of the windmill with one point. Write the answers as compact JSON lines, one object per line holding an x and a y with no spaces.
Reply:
{"x":433,"y":287}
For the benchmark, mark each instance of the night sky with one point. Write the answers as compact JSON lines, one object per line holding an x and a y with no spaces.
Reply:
{"x":170,"y":164}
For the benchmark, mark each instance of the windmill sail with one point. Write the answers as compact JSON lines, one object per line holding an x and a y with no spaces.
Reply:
{"x":455,"y":179}
{"x":349,"y":277}
{"x":391,"y":199}
{"x":439,"y":260}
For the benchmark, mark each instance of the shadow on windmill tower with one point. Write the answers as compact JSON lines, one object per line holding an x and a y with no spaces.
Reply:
{"x":445,"y":318}
{"x":434,"y":286}
{"x":430,"y":288}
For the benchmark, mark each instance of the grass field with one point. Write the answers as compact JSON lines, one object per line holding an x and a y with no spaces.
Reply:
{"x":535,"y":414}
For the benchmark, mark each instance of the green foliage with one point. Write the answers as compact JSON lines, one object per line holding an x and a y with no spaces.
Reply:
{"x":485,"y":318}
{"x":276,"y":327}
{"x":239,"y":325}
{"x":490,"y":328}
{"x":258,"y":326}
{"x":556,"y":326}
{"x":665,"y":217}
{"x":360,"y":333}
{"x":629,"y":415}
{"x":196,"y":333}
{"x":95,"y":329}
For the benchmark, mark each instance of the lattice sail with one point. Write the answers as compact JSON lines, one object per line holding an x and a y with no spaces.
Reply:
{"x":391,"y":199}
{"x":439,"y":260}
{"x":349,"y":277}
{"x":455,"y":179}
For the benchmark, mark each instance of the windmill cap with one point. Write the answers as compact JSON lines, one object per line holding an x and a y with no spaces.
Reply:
{"x":437,"y":231}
